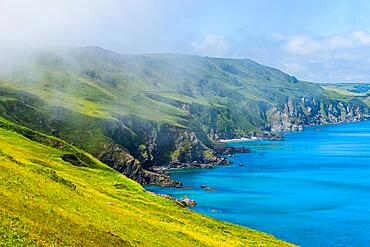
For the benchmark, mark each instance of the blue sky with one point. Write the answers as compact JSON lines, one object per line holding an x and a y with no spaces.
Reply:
{"x":322,"y":41}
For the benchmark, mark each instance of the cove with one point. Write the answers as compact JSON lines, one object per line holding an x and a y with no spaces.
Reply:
{"x":311,"y":189}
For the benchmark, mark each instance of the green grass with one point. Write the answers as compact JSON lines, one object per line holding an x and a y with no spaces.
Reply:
{"x":101,"y":83}
{"x":91,"y":97}
{"x":46,"y":201}
{"x":84,"y":93}
{"x":342,"y":91}
{"x":161,"y":88}
{"x":345,"y":91}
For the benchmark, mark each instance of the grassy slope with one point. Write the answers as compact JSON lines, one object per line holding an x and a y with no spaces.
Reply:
{"x":357,"y":90}
{"x":101,"y":83}
{"x":95,"y":98}
{"x":230,"y":95}
{"x":47,"y":201}
{"x":81,"y":89}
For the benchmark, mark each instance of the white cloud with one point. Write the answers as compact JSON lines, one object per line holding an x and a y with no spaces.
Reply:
{"x":304,"y":45}
{"x":212,"y":45}
{"x":74,"y":23}
{"x":336,"y":58}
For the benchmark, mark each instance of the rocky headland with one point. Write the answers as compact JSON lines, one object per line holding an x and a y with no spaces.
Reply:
{"x":144,"y":114}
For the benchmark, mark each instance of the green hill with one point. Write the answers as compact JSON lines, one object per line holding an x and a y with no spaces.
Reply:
{"x":136,"y":112}
{"x":70,"y":115}
{"x":52,"y":193}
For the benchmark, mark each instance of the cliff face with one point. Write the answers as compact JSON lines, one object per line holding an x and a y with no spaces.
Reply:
{"x":291,"y":114}
{"x":294,"y":115}
{"x":156,"y":145}
{"x":159,"y":147}
{"x":119,"y":158}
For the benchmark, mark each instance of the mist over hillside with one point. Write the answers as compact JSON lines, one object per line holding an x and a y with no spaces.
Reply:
{"x":139,"y":112}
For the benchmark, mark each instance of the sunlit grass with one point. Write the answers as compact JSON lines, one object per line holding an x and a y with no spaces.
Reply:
{"x":47,"y":201}
{"x":342,"y":91}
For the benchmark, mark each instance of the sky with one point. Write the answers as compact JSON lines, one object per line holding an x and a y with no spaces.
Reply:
{"x":319,"y":41}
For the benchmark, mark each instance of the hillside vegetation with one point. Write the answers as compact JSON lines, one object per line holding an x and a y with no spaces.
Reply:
{"x":101,"y":83}
{"x":357,"y":90}
{"x":52,"y":193}
{"x":137,"y":112}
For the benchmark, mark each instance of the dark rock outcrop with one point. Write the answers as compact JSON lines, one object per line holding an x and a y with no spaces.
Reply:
{"x":187,"y":202}
{"x":184,"y":202}
{"x":118,"y":158}
{"x":230,"y":150}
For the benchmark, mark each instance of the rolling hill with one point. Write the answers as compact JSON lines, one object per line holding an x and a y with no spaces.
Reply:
{"x":136,"y":112}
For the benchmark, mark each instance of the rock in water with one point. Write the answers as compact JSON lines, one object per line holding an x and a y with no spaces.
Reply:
{"x":187,"y":202}
{"x":209,"y":188}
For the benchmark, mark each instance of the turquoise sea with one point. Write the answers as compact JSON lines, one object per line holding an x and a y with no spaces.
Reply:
{"x":312,"y":188}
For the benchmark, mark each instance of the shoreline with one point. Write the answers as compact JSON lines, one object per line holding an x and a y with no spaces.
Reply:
{"x":299,"y":142}
{"x":224,"y":151}
{"x":272,"y":136}
{"x":243,"y":139}
{"x":277,"y":135}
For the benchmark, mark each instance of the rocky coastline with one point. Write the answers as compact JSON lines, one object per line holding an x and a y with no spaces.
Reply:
{"x":222,"y":150}
{"x":220,"y":161}
{"x":144,"y":150}
{"x":259,"y":136}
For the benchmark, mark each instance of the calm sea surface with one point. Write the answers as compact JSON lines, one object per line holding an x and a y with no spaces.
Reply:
{"x":312,"y":189}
